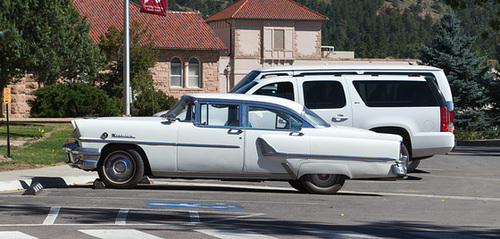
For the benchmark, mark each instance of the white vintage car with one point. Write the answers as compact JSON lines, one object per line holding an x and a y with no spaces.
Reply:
{"x":236,"y":137}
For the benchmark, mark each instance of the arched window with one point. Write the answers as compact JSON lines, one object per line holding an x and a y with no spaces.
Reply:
{"x":193,"y":73}
{"x":176,"y":72}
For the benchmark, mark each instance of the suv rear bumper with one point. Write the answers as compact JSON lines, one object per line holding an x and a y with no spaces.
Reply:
{"x":432,"y":143}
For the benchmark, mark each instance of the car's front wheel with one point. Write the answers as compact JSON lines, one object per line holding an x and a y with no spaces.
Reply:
{"x":322,"y":183}
{"x":297,"y":184}
{"x":121,"y":168}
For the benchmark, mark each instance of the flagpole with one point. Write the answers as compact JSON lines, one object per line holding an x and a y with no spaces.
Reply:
{"x":126,"y":59}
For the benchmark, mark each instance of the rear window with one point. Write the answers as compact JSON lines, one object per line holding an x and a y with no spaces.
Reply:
{"x":396,"y":93}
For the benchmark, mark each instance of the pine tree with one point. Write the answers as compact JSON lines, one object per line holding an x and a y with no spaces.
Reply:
{"x":467,"y":72}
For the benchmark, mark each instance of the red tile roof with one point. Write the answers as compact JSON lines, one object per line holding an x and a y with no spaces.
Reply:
{"x":175,"y":30}
{"x":267,"y":9}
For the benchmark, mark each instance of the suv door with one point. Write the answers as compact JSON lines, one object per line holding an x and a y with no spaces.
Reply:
{"x":328,"y":97}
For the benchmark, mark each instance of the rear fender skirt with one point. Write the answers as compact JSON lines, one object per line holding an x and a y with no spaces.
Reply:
{"x":323,"y":168}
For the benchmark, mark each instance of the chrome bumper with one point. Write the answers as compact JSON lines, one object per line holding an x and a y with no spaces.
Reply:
{"x":400,"y":168}
{"x":82,"y":158}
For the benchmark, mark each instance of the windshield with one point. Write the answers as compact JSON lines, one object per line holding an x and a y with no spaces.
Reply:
{"x":315,"y":118}
{"x":184,"y":110}
{"x":243,"y":82}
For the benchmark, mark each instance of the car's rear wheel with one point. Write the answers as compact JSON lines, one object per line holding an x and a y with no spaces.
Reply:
{"x":322,"y":183}
{"x":121,"y":168}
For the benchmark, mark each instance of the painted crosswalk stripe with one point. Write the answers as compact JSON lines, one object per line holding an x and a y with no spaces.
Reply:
{"x":342,"y":234}
{"x":232,"y":234}
{"x":52,"y":216}
{"x":121,"y":218}
{"x":119,"y":234}
{"x":15,"y":235}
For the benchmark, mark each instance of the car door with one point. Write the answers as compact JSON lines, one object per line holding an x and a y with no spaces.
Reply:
{"x":214,"y":142}
{"x":280,"y":130}
{"x":328,"y":97}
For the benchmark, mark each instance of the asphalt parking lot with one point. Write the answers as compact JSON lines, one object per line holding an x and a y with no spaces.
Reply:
{"x":450,"y":196}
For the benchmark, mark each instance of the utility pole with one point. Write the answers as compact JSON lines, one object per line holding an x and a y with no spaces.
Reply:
{"x":126,"y":59}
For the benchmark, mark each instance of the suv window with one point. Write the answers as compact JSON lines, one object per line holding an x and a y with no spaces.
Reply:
{"x":395,"y":93}
{"x":280,"y":89}
{"x":324,"y":95}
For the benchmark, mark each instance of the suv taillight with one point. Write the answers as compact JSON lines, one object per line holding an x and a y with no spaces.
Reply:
{"x":446,"y":120}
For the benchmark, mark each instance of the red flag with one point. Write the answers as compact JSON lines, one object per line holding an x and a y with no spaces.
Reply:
{"x":158,"y":7}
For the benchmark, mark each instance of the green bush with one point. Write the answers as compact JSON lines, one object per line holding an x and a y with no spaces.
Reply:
{"x":72,"y":100}
{"x":144,"y":106}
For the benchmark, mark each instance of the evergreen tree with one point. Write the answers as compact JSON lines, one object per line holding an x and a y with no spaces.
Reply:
{"x":143,"y":56}
{"x":467,"y":72}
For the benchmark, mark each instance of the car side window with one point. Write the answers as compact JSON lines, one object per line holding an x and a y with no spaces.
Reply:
{"x":324,"y":95}
{"x":279,"y":89}
{"x":269,"y":118}
{"x":219,"y":114}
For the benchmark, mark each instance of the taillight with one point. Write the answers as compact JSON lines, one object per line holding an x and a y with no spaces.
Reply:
{"x":446,"y":120}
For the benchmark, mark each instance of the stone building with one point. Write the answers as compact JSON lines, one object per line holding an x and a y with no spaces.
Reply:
{"x":189,"y":50}
{"x":262,"y":33}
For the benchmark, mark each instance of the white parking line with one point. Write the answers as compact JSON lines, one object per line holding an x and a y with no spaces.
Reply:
{"x":15,"y":235}
{"x":443,"y":235}
{"x":52,"y":216}
{"x":233,"y":234}
{"x":121,"y":218}
{"x":427,"y":196}
{"x":119,"y":234}
{"x":342,"y":234}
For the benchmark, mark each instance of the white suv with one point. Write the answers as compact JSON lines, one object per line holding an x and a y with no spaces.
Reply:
{"x":411,"y":101}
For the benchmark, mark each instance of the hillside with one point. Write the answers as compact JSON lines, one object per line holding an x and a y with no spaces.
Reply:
{"x":377,"y":28}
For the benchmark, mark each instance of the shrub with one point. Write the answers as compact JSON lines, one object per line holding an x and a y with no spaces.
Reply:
{"x":144,"y":106}
{"x":72,"y":100}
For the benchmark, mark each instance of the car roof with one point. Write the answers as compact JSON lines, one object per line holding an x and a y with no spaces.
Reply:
{"x":353,"y":67}
{"x":261,"y":99}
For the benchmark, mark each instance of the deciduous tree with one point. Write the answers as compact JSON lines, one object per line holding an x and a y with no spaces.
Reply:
{"x":47,"y":38}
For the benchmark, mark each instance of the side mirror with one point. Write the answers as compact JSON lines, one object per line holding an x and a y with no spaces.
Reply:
{"x":169,"y":119}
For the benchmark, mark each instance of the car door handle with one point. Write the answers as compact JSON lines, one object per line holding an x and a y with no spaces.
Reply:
{"x":296,"y":134}
{"x":235,"y":131}
{"x":339,"y":118}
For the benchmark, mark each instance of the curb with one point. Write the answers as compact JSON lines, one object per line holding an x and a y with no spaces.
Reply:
{"x":50,"y":177}
{"x":492,"y":142}
{"x":55,"y":182}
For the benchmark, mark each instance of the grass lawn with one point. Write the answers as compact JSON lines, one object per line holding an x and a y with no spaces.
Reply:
{"x":42,"y":147}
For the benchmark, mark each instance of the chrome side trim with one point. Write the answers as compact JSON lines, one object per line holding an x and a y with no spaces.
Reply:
{"x":269,"y":151}
{"x":158,"y":143}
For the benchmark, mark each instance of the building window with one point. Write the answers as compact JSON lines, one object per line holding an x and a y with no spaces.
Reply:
{"x":194,"y":73}
{"x":278,"y":43}
{"x":279,"y":39}
{"x":176,"y":72}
